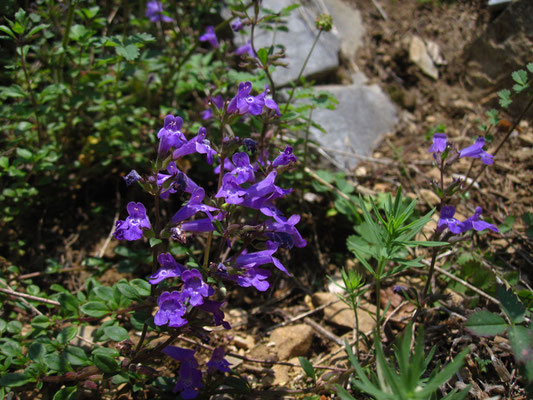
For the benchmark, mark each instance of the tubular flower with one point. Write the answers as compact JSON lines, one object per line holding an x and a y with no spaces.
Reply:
{"x":131,"y":228}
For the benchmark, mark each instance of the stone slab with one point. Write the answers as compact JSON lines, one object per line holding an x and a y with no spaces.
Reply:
{"x":362,"y":117}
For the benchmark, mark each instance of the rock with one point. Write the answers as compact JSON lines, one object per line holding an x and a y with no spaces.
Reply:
{"x":418,"y":54}
{"x":363,"y":116}
{"x":504,"y":47}
{"x":298,"y":41}
{"x":292,"y":341}
{"x":340,"y":314}
{"x":246,"y":343}
{"x":429,"y":195}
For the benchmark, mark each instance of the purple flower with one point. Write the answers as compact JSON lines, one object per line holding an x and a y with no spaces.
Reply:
{"x":213,"y":307}
{"x":477,"y":224}
{"x":170,"y":135}
{"x":217,"y":361}
{"x":154,"y":11}
{"x":439,"y":143}
{"x":171,"y":309}
{"x":210,"y":36}
{"x":169,"y":269}
{"x":455,"y":226}
{"x":285,"y":233}
{"x":175,"y":181}
{"x":132,"y":177}
{"x":190,"y":378}
{"x":236,"y":25}
{"x":193,"y":206}
{"x":476,"y":151}
{"x":243,"y":171}
{"x":447,"y":220}
{"x":250,"y":144}
{"x":269,"y":103}
{"x":243,"y":103}
{"x":286,"y":157}
{"x":198,"y":144}
{"x":218,"y":101}
{"x":195,"y":288}
{"x":261,"y":257}
{"x":245,"y":49}
{"x":131,"y":228}
{"x":399,"y":289}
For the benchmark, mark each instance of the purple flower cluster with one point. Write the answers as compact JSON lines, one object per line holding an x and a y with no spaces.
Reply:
{"x":455,"y":226}
{"x":475,"y":151}
{"x":132,"y":227}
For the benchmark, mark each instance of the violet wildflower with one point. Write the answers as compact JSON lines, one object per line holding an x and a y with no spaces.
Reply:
{"x":245,"y":49}
{"x":476,"y":151}
{"x":252,"y":276}
{"x":447,"y":220}
{"x":193,"y":206}
{"x":195,"y":288}
{"x":269,"y":103}
{"x":218,"y":362}
{"x":214,"y":308}
{"x":285,"y":158}
{"x":170,"y":135}
{"x":218,"y":101}
{"x":171,"y":310}
{"x":176,"y":181}
{"x":132,"y":177}
{"x":250,"y":144}
{"x":169,"y":269}
{"x":285,"y":233}
{"x":261,"y":257}
{"x":237,"y":25}
{"x":243,"y":170}
{"x":190,"y":378}
{"x":154,"y":11}
{"x":210,"y":36}
{"x":439,"y":143}
{"x":477,"y":224}
{"x":131,"y":228}
{"x":243,"y":103}
{"x":399,"y":289}
{"x":198,"y":144}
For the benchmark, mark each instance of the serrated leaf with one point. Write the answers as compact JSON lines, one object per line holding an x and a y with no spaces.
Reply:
{"x":307,"y":367}
{"x":485,"y":323}
{"x":530,"y":67}
{"x":143,"y":287}
{"x":106,"y":363}
{"x":94,"y":309}
{"x":14,"y":380}
{"x":128,"y":291}
{"x":116,"y":333}
{"x":510,"y":304}
{"x":520,"y":77}
{"x":67,"y":334}
{"x":76,"y":356}
{"x":129,"y":52}
{"x":262,"y":54}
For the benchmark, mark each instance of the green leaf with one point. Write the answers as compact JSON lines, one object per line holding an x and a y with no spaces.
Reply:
{"x":36,"y":29}
{"x":14,"y":380}
{"x":56,"y":362}
{"x":485,"y":323}
{"x":505,"y":98}
{"x":116,"y":333}
{"x":343,"y":394}
{"x":106,"y":363}
{"x":76,"y":355}
{"x":68,"y":302}
{"x":94,"y":309}
{"x":520,"y":77}
{"x":129,"y":52}
{"x":521,"y":339}
{"x":36,"y":351}
{"x":14,"y":91}
{"x":154,"y":242}
{"x":510,"y":304}
{"x":104,"y":293}
{"x":67,"y":393}
{"x":67,"y":334}
{"x":40,"y":322}
{"x":7,"y":31}
{"x":262,"y":54}
{"x":142,"y":287}
{"x":128,"y":291}
{"x":530,"y":67}
{"x":307,"y":367}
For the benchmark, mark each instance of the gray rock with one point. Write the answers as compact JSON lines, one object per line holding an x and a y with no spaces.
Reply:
{"x":362,"y":117}
{"x":418,"y":54}
{"x":504,"y":47}
{"x":298,"y":42}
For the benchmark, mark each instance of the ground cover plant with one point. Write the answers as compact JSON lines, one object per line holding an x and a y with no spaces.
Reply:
{"x":147,"y":112}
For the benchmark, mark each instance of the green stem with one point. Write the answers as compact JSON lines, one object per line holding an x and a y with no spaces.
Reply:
{"x":70,"y":17}
{"x":306,"y":143}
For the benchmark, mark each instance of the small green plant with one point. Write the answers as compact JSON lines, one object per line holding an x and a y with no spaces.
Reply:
{"x":406,"y":378}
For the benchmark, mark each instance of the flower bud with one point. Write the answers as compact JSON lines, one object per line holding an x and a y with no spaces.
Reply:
{"x":324,"y":22}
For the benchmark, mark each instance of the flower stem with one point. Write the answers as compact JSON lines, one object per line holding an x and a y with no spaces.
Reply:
{"x":41,"y":134}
